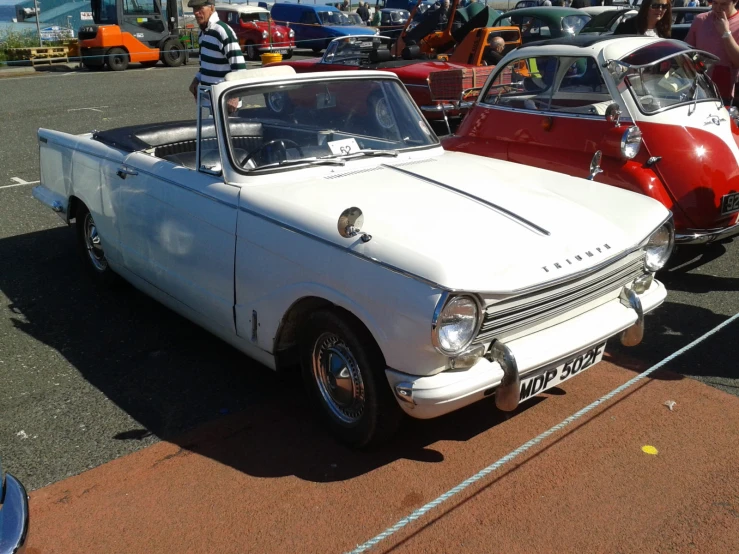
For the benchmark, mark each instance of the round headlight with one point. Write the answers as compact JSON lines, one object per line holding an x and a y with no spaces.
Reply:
{"x":631,"y":142}
{"x":291,"y":34}
{"x":734,"y":114}
{"x":659,"y":247}
{"x":265,"y":34}
{"x":455,"y":325}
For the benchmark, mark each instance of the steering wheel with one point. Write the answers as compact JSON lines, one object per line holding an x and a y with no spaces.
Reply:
{"x":281,"y":142}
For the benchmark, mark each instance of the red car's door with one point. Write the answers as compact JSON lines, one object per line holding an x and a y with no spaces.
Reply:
{"x":546,"y":112}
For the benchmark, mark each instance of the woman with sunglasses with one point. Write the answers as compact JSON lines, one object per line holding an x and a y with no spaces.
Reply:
{"x":653,"y":20}
{"x":717,"y":31}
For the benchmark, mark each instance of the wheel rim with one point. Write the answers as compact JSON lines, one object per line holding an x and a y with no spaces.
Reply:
{"x":251,"y":52}
{"x":336,"y":373}
{"x":93,"y":244}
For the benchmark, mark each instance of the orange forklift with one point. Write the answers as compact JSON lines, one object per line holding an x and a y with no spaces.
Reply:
{"x":131,"y":31}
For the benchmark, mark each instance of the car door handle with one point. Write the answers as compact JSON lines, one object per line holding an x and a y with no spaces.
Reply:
{"x":123,"y":172}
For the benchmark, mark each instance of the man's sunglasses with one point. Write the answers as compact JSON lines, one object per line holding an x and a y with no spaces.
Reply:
{"x":656,"y":6}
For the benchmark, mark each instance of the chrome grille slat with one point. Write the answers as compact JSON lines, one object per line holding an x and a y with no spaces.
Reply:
{"x":518,"y":313}
{"x":628,"y":272}
{"x":524,"y":302}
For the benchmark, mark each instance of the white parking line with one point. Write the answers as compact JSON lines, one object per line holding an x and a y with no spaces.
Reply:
{"x":19,"y":183}
{"x":93,"y":108}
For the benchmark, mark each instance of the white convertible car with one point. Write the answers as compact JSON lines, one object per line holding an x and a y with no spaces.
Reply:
{"x":315,"y":218}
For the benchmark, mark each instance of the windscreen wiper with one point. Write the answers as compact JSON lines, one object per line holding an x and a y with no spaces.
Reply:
{"x":369,"y":152}
{"x":302,"y":161}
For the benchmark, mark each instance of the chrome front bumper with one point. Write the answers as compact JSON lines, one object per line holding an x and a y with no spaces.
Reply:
{"x":13,"y":517}
{"x":502,"y":369}
{"x":704,"y":236}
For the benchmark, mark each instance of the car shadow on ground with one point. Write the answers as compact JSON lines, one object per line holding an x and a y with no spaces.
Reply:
{"x":188,"y":387}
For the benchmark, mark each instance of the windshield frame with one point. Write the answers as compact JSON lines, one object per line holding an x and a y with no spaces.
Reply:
{"x":627,"y":69}
{"x":434,"y":141}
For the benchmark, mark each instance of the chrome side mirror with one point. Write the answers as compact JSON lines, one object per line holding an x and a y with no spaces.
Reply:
{"x":350,"y":224}
{"x":613,"y":114}
{"x":595,"y":165}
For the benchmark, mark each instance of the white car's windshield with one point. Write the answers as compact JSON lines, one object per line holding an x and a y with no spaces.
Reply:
{"x":322,"y":122}
{"x":666,"y":83}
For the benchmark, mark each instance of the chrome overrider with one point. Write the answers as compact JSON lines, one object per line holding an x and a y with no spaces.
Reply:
{"x":13,"y":514}
{"x":704,"y":236}
{"x":508,"y":392}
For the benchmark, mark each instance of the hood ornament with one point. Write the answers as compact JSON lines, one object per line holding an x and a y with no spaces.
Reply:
{"x":350,"y":224}
{"x":716,"y":120}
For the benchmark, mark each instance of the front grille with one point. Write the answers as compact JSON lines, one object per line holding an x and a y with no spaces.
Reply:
{"x":521,"y":312}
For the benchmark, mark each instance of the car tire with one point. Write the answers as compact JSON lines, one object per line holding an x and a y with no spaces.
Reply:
{"x":252,"y":53}
{"x":90,"y":247}
{"x":359,"y":408}
{"x":317,"y":51}
{"x":288,"y":55}
{"x":173,"y":53}
{"x":117,"y":59}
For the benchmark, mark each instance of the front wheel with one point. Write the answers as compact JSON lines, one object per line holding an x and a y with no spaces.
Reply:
{"x":344,"y":373}
{"x":252,"y":52}
{"x":173,"y":53}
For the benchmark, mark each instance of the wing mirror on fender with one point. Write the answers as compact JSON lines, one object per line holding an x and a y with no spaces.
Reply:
{"x":350,"y":224}
{"x":613,"y":114}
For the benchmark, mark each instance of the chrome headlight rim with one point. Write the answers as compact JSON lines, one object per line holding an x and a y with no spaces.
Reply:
{"x":734,"y":115}
{"x":444,"y":300}
{"x":629,"y":146}
{"x":669,"y":246}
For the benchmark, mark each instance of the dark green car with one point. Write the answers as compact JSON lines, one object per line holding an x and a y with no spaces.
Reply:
{"x":544,"y":22}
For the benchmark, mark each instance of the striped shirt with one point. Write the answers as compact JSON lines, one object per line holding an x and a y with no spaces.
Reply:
{"x":220,"y":52}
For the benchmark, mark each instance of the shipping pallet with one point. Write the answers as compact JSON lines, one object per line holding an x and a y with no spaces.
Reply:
{"x":39,"y":54}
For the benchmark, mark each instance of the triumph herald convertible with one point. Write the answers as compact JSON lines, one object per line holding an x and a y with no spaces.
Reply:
{"x":314,"y":220}
{"x":645,"y":103}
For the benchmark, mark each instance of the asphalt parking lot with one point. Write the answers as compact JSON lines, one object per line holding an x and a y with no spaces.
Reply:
{"x":89,"y":375}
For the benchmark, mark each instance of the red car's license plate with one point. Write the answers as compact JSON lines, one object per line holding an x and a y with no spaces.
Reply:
{"x":730,"y":203}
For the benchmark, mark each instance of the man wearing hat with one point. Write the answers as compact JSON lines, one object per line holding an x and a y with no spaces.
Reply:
{"x":220,"y":52}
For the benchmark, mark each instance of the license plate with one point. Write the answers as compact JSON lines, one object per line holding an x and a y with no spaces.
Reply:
{"x":531,"y":386}
{"x":730,"y":203}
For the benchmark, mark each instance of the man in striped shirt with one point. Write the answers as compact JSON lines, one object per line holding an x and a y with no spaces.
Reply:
{"x":220,"y":52}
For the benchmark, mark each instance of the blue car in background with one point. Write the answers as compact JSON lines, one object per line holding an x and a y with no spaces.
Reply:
{"x":315,"y":26}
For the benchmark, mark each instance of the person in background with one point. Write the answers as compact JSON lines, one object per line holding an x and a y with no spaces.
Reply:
{"x":546,"y":3}
{"x":494,"y":52}
{"x":653,"y":20}
{"x":220,"y":52}
{"x":363,"y":11}
{"x":580,"y":4}
{"x":717,"y":32}
{"x":345,"y":6}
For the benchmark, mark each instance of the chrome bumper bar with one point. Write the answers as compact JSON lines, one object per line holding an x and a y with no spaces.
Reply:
{"x":704,"y":236}
{"x":508,"y":392}
{"x":13,"y":517}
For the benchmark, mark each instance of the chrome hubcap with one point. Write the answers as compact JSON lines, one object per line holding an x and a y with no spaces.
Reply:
{"x":94,"y":245}
{"x":338,"y":378}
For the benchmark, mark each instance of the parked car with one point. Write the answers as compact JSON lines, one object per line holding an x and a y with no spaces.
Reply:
{"x":315,"y":26}
{"x":13,"y":514}
{"x":544,"y":22}
{"x":323,"y":223}
{"x":682,"y":19}
{"x":374,"y":52}
{"x":645,"y":103}
{"x":255,"y":30}
{"x":392,"y":21}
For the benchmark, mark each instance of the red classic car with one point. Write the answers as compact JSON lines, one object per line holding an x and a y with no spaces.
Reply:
{"x":646,"y":104}
{"x":373,"y":52}
{"x":256,"y":31}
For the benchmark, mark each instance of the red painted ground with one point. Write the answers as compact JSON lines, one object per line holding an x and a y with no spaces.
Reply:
{"x":269,"y":480}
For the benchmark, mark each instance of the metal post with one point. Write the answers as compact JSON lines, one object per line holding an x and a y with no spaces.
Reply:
{"x":38,"y":25}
